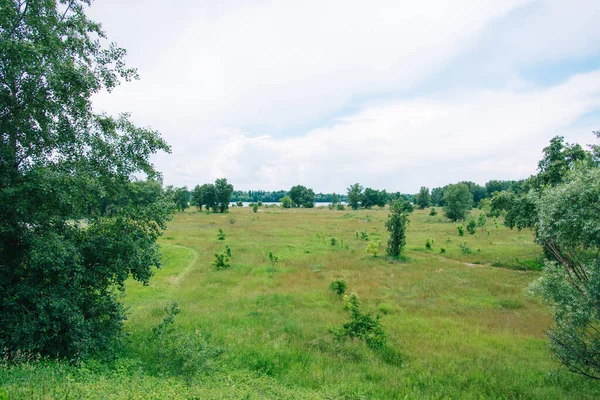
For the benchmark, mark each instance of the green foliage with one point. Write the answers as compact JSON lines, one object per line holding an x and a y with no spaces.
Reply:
{"x":273,"y":259}
{"x":481,"y":221}
{"x":372,"y":248}
{"x":362,"y":326}
{"x":442,"y":250}
{"x":471,"y":226}
{"x":255,"y":208}
{"x":340,"y":207}
{"x":363,"y":235}
{"x":181,"y":198}
{"x":286,"y":202}
{"x":302,"y":196}
{"x":222,"y":260}
{"x":396,"y":226}
{"x":464,"y":248}
{"x":182,"y":354}
{"x":339,"y":286}
{"x":461,"y":230}
{"x":429,"y":243}
{"x":433,"y":212}
{"x":423,"y":198}
{"x":333,"y":241}
{"x":74,"y":224}
{"x":240,"y":204}
{"x":355,"y":196}
{"x":458,"y":200}
{"x":221,"y":235}
{"x":223,"y":191}
{"x":568,"y":226}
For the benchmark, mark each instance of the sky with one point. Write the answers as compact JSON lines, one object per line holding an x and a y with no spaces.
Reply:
{"x":391,"y":94}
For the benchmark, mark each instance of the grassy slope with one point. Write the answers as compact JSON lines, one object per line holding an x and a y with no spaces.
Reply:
{"x":464,"y":329}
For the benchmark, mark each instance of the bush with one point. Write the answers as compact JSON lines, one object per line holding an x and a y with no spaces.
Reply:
{"x":442,"y":250}
{"x":461,"y":230}
{"x":433,"y":212}
{"x":333,"y":241}
{"x":221,"y":260}
{"x":339,"y":286}
{"x":429,"y":243}
{"x":362,"y":326}
{"x":181,"y":354}
{"x":273,"y":258}
{"x":255,"y":208}
{"x":464,"y":248}
{"x":240,"y":204}
{"x":472,"y":226}
{"x":340,"y":207}
{"x":221,"y":235}
{"x":372,"y":248}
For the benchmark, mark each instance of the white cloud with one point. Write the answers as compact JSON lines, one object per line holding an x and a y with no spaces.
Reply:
{"x":217,"y":75}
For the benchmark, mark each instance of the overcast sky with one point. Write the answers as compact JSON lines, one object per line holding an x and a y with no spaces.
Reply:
{"x":392,"y":94}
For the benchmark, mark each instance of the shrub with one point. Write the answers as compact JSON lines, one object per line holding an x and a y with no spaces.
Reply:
{"x":481,"y":221}
{"x":433,"y":212}
{"x":255,"y":208}
{"x":273,"y":259}
{"x":181,"y":354}
{"x":471,"y":226}
{"x":221,"y":235}
{"x":372,"y":248}
{"x":240,"y":204}
{"x":340,"y":207}
{"x":429,"y":243}
{"x":461,"y":230}
{"x":221,"y":260}
{"x":364,"y":235}
{"x":333,"y":241}
{"x":464,"y":248}
{"x":260,"y":203}
{"x":339,"y":286}
{"x":362,"y":326}
{"x":442,"y":250}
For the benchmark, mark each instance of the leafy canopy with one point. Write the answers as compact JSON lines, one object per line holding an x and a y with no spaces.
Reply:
{"x":74,"y":225}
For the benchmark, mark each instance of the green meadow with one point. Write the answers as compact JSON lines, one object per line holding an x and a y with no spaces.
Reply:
{"x":458,"y":319}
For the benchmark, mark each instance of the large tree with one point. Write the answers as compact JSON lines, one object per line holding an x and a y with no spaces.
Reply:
{"x":223,"y":191}
{"x":73,"y":226}
{"x":302,"y":196}
{"x":423,"y":198}
{"x":355,"y":196}
{"x":458,"y":200}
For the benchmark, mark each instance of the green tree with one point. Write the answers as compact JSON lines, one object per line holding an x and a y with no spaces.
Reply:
{"x":223,"y":192}
{"x":286,"y":202}
{"x":355,"y":196}
{"x":74,"y":225}
{"x":208,"y":196}
{"x":301,"y":196}
{"x":196,"y":198}
{"x":458,"y":200}
{"x":437,"y":196}
{"x":568,"y":227}
{"x":423,"y":198}
{"x":396,"y":226}
{"x":181,"y":198}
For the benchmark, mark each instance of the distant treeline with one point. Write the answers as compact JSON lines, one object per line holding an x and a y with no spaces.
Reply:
{"x":480,"y":192}
{"x":276,"y":196}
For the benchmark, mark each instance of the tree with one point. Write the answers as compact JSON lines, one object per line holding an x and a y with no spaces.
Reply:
{"x":423,"y":198}
{"x":437,"y":196}
{"x":458,"y":200}
{"x":223,"y":191}
{"x":355,"y":196}
{"x":181,"y":198}
{"x":208,"y":196}
{"x":296,"y":194}
{"x":568,"y":227}
{"x":74,"y":225}
{"x":335,"y":199}
{"x":196,"y":198}
{"x":396,"y":226}
{"x":286,"y":202}
{"x":302,"y":196}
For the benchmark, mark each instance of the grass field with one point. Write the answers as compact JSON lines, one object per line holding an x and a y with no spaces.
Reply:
{"x":459,"y":324}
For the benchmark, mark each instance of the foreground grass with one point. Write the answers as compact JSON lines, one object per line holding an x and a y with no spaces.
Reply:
{"x":459,"y":325}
